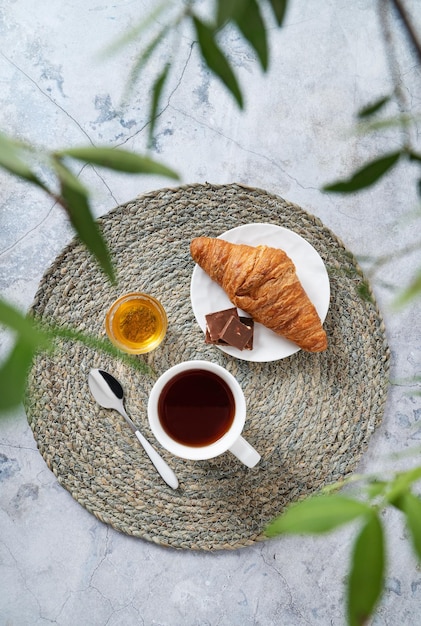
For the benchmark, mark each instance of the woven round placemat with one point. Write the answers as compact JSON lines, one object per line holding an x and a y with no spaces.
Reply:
{"x":309,"y":415}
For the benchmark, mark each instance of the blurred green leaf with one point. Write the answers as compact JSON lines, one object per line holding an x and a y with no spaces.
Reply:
{"x":156,"y":96}
{"x":13,"y":374}
{"x":246,"y":15}
{"x":365,"y":292}
{"x":370,"y":124}
{"x":216,"y":60}
{"x":13,"y":371}
{"x":411,"y":292}
{"x":134,"y":33}
{"x":376,"y":488}
{"x":144,"y":57}
{"x":410,"y":380}
{"x":75,"y":201}
{"x":251,"y":24}
{"x":119,"y":160}
{"x":370,"y":109}
{"x":367,"y":571}
{"x":35,"y":335}
{"x":414,"y":156}
{"x":10,"y":160}
{"x":227,"y":9}
{"x":24,"y":326}
{"x":411,"y":506}
{"x":317,"y":514}
{"x":100,"y":345}
{"x":366,"y":176}
{"x":279,"y":8}
{"x":401,"y":485}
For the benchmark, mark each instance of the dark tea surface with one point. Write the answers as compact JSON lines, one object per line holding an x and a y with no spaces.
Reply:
{"x":196,"y":407}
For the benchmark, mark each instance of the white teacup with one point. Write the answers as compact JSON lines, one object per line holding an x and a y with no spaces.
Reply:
{"x":197,"y":411}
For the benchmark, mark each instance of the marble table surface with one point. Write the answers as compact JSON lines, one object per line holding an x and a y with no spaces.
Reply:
{"x":59,"y":564}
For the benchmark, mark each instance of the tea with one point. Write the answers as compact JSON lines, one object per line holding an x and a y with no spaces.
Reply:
{"x":196,"y":407}
{"x":136,"y":323}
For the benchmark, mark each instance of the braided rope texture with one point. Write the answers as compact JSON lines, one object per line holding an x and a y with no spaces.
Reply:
{"x":309,"y":415}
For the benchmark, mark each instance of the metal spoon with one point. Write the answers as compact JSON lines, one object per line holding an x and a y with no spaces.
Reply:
{"x":109,"y":393}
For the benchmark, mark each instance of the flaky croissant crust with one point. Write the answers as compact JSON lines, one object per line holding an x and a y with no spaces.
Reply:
{"x":263,"y":282}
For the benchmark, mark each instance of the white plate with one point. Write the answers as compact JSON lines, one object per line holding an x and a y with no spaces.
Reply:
{"x":207,"y":296}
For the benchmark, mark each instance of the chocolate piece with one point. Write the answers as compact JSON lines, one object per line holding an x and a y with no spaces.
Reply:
{"x":215,"y":322}
{"x":249,"y":322}
{"x":227,"y":328}
{"x":235,"y":333}
{"x":208,"y":339}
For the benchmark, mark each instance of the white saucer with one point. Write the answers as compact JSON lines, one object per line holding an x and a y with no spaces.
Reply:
{"x":207,"y":296}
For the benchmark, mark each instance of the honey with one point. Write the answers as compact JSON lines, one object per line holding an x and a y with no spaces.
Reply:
{"x":136,"y":323}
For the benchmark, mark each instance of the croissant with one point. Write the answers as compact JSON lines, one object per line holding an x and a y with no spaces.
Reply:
{"x":262,"y":282}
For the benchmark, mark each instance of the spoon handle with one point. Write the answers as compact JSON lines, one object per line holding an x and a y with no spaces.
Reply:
{"x":162,"y":467}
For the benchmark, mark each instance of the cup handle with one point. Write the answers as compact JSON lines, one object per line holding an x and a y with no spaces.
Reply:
{"x":245,"y":452}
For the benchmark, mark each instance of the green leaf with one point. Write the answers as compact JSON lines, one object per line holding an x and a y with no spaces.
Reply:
{"x":414,"y":156}
{"x":101,"y":345}
{"x":156,"y":96}
{"x":279,"y":8}
{"x":14,"y":369}
{"x":367,"y":571}
{"x":376,"y":488}
{"x":144,"y":57}
{"x":25,"y":327}
{"x":13,"y":375}
{"x":374,"y":107}
{"x":75,"y":201}
{"x":251,"y":24}
{"x":365,"y":292}
{"x":411,"y":506}
{"x":119,"y":160}
{"x":317,"y":514}
{"x":226,"y":10}
{"x":33,"y":336}
{"x":135,"y":32}
{"x":216,"y":60}
{"x":412,"y":291}
{"x":401,"y":485}
{"x":246,"y":15}
{"x":402,"y":121}
{"x":366,"y":176}
{"x":11,"y":161}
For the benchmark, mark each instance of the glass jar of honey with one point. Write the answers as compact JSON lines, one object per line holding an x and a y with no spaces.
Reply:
{"x":136,"y":323}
